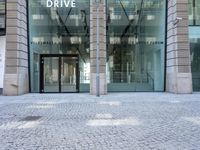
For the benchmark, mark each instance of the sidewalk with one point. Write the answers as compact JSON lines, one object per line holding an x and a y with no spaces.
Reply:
{"x":117,"y":121}
{"x":86,"y":97}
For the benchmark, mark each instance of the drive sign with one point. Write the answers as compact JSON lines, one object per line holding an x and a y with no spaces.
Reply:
{"x":61,"y":3}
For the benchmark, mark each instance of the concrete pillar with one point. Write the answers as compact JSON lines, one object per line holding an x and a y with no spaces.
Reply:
{"x":178,"y":73}
{"x":16,"y":57}
{"x":93,"y":40}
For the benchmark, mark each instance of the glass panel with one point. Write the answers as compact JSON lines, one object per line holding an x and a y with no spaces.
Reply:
{"x":36,"y":76}
{"x":68,"y":74}
{"x":51,"y":74}
{"x":194,"y":12}
{"x":191,"y":12}
{"x":136,"y":45}
{"x":194,"y":30}
{"x":2,"y":17}
{"x":60,"y":31}
{"x":195,"y":56}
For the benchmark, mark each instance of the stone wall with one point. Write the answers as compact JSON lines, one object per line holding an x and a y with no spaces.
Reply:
{"x":16,"y":58}
{"x":102,"y":45}
{"x":178,"y":73}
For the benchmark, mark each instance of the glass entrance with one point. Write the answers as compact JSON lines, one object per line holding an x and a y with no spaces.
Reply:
{"x":135,"y":45}
{"x":50,"y":74}
{"x":68,"y":74}
{"x":59,"y":74}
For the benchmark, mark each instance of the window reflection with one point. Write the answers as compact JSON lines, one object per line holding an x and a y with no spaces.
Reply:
{"x":2,"y":17}
{"x":194,"y":30}
{"x":195,"y":56}
{"x":194,"y":12}
{"x":59,"y":31}
{"x":135,"y":50}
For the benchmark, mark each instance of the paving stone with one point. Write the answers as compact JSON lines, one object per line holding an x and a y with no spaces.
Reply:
{"x":128,"y":121}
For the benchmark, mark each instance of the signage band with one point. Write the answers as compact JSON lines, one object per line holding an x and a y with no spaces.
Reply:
{"x":61,"y":3}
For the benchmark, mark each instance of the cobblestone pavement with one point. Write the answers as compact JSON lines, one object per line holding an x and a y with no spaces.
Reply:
{"x":118,"y":121}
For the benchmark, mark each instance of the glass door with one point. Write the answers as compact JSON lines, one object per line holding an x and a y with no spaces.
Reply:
{"x":50,"y":74}
{"x":59,"y":74}
{"x":68,"y":74}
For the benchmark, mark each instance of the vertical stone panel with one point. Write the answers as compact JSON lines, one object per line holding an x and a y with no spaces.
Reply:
{"x":102,"y":46}
{"x":16,"y":57}
{"x":178,"y":73}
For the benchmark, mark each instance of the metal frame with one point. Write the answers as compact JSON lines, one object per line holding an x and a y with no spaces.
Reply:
{"x":59,"y":71}
{"x":165,"y":50}
{"x":28,"y":45}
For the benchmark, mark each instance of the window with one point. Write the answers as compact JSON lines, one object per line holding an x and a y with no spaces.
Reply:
{"x":194,"y":12}
{"x":135,"y":45}
{"x":59,"y":31}
{"x":194,"y":30}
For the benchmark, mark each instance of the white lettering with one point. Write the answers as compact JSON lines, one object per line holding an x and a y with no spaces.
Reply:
{"x":56,"y":3}
{"x":66,"y":3}
{"x":49,"y":3}
{"x":61,"y":3}
{"x":73,"y":3}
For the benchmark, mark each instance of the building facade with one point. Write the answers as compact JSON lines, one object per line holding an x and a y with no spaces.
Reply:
{"x":61,"y":46}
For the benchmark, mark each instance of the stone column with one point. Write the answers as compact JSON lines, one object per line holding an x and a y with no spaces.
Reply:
{"x":16,"y":80}
{"x":102,"y":46}
{"x":178,"y":73}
